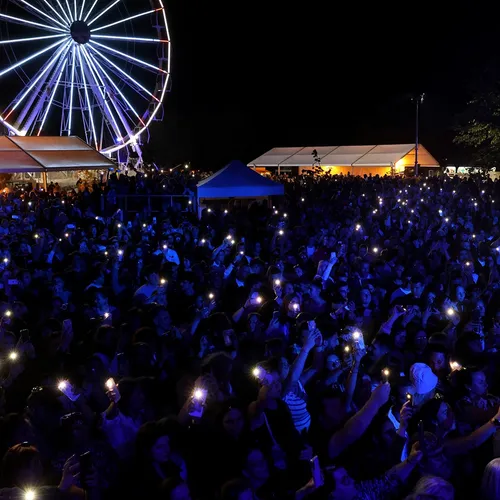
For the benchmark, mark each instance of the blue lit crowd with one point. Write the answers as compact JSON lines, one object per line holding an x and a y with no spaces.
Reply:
{"x":341,"y":342}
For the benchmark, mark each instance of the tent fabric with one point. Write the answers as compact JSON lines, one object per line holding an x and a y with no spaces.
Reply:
{"x":383,"y":155}
{"x":236,"y":180}
{"x":49,"y":154}
{"x":275,"y":157}
{"x":304,"y":158}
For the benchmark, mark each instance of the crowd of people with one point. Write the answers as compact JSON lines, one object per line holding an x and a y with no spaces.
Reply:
{"x":340,"y":344}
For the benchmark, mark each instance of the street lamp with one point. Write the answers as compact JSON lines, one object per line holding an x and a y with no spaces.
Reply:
{"x":418,"y":100}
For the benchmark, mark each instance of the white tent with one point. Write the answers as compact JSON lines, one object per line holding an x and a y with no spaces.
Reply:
{"x":236,"y":180}
{"x":356,"y":160}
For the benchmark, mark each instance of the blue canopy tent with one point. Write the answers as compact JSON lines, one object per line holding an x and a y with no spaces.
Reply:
{"x":236,"y":180}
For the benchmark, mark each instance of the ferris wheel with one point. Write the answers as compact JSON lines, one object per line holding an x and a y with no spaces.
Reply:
{"x":95,"y":68}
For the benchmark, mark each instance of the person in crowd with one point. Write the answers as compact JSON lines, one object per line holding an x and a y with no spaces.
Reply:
{"x":341,"y":343}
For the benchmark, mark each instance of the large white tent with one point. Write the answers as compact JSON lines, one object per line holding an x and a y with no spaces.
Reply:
{"x":356,"y":160}
{"x":49,"y":154}
{"x":236,"y":180}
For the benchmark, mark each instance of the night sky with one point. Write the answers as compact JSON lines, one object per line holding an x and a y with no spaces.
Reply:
{"x":249,"y":76}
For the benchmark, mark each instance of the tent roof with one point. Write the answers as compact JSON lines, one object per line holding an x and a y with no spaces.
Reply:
{"x":345,"y":156}
{"x":49,"y":154}
{"x":236,"y":180}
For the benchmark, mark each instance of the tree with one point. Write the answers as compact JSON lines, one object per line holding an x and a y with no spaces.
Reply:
{"x":479,"y":128}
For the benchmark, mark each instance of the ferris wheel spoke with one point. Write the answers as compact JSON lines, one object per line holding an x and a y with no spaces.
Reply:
{"x":87,"y":98}
{"x":68,"y":19}
{"x":98,"y":81}
{"x":69,"y":11}
{"x":110,"y":6}
{"x":32,"y":23}
{"x":32,"y":39}
{"x":51,"y":99}
{"x":39,"y":78}
{"x":87,"y":15}
{"x":130,"y":39}
{"x":71,"y":91}
{"x":41,"y":14}
{"x":30,"y":58}
{"x":81,"y":10}
{"x":117,"y":89}
{"x":124,"y":73}
{"x":125,"y":20}
{"x":32,"y":110}
{"x":123,"y":55}
{"x":65,"y":21}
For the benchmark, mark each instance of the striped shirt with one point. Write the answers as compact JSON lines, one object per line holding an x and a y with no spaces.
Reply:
{"x":297,"y":404}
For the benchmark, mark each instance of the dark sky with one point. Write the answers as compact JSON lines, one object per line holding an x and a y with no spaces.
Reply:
{"x":248,"y":76}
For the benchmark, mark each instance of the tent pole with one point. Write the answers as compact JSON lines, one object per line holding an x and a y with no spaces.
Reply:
{"x":44,"y":181}
{"x":279,"y":170}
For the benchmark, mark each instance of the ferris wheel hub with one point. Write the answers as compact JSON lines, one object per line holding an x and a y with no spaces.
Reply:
{"x":80,"y":32}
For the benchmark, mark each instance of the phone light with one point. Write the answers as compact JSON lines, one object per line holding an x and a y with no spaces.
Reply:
{"x":408,"y":396}
{"x":29,"y":495}
{"x":450,"y":311}
{"x":66,"y":235}
{"x":467,"y":263}
{"x":163,"y":281}
{"x":375,"y":249}
{"x":211,"y":296}
{"x":296,"y":307}
{"x":281,"y":232}
{"x":203,"y":241}
{"x":119,"y":225}
{"x":358,"y":227}
{"x":198,"y":394}
{"x":454,"y":365}
{"x":258,"y":300}
{"x":277,"y":282}
{"x":110,"y":384}
{"x":302,"y":199}
{"x":105,"y":252}
{"x":120,"y":252}
{"x":356,"y":335}
{"x":5,"y":260}
{"x":13,"y":356}
{"x":242,"y":253}
{"x":347,"y":349}
{"x":285,"y":215}
{"x":386,"y":372}
{"x":225,"y":211}
{"x":209,"y":210}
{"x":144,"y":225}
{"x":257,"y":372}
{"x":36,"y":236}
{"x":62,"y":385}
{"x":8,"y":313}
{"x":276,"y":212}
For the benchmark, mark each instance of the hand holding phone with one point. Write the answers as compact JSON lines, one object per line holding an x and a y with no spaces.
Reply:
{"x":198,"y":401}
{"x":68,"y":390}
{"x":316,"y":474}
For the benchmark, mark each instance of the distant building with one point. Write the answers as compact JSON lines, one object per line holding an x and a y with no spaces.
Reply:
{"x":383,"y":159}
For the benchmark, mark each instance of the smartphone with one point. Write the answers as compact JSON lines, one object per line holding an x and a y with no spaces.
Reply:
{"x":199,"y":399}
{"x":68,"y":390}
{"x":15,"y":216}
{"x":70,"y":226}
{"x":111,"y":386}
{"x":261,"y":375}
{"x":317,"y":477}
{"x":154,"y":220}
{"x":358,"y":340}
{"x":24,"y":335}
{"x":421,"y":438}
{"x":409,"y":398}
{"x":85,"y":467}
{"x":13,"y":282}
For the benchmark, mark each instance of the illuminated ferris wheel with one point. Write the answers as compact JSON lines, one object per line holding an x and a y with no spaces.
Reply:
{"x":95,"y":68}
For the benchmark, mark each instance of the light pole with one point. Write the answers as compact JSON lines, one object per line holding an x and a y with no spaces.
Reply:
{"x":419,"y":100}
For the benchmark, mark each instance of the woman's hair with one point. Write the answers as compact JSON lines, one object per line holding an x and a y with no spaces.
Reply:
{"x":219,"y":364}
{"x":464,"y":377}
{"x":16,"y":460}
{"x":490,"y":484}
{"x":432,"y":488}
{"x":150,"y":432}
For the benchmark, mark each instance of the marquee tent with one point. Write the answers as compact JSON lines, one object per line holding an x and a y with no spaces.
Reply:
{"x":49,"y":154}
{"x":356,"y":160}
{"x":236,"y":180}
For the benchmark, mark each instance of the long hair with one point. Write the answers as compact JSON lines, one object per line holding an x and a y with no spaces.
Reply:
{"x":432,"y":487}
{"x":490,"y":484}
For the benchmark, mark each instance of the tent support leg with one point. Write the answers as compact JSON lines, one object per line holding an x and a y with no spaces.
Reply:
{"x":44,"y":181}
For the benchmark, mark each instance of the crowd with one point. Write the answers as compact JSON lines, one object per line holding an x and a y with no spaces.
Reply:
{"x":342,"y":344}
